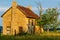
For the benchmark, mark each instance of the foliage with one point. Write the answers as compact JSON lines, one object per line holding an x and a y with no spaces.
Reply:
{"x":49,"y":18}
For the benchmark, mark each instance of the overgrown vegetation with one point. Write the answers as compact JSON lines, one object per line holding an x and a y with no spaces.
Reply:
{"x":49,"y":19}
{"x":43,"y":36}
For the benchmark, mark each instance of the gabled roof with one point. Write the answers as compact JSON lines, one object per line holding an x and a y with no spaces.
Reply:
{"x":26,"y":11}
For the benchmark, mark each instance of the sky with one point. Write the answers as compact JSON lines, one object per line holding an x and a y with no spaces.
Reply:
{"x":5,"y":4}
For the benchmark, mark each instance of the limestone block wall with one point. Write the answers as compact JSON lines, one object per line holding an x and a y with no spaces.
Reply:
{"x":19,"y":20}
{"x":6,"y":21}
{"x":15,"y":19}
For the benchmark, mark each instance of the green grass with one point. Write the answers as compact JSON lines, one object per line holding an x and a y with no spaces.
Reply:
{"x":43,"y":36}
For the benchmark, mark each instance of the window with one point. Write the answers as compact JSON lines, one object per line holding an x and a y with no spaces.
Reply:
{"x":32,"y":23}
{"x":8,"y":29}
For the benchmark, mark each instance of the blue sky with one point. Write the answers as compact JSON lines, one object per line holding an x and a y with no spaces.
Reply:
{"x":5,"y":4}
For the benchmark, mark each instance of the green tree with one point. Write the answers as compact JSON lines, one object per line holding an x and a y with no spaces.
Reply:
{"x":39,"y":21}
{"x":52,"y":15}
{"x":49,"y":18}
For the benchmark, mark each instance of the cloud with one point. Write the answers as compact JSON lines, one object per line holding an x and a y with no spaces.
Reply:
{"x":37,"y":9}
{"x":34,"y":8}
{"x":3,"y":9}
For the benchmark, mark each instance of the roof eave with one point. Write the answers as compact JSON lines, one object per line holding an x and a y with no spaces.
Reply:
{"x":5,"y":12}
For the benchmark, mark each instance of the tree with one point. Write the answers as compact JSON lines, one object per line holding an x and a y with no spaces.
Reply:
{"x":49,"y":18}
{"x":53,"y":16}
{"x":39,"y":21}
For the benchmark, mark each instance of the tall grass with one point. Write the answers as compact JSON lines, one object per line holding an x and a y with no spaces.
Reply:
{"x":44,"y":36}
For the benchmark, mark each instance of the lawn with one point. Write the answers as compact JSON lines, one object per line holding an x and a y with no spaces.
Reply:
{"x":43,"y":36}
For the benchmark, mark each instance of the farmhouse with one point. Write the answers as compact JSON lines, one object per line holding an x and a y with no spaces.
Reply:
{"x":18,"y":19}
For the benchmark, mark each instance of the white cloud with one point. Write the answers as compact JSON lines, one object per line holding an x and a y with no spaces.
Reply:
{"x":44,"y":8}
{"x":36,"y":8}
{"x":3,"y":9}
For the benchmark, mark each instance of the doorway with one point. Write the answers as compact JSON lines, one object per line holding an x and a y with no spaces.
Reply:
{"x":20,"y":30}
{"x":15,"y":32}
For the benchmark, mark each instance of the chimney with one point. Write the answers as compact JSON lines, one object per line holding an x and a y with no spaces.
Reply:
{"x":14,"y":4}
{"x":30,"y":7}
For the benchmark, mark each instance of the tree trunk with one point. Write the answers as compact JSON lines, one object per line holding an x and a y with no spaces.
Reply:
{"x":54,"y":29}
{"x":48,"y":30}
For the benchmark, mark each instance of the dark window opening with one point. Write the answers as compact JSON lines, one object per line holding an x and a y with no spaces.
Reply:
{"x":8,"y":29}
{"x":32,"y":23}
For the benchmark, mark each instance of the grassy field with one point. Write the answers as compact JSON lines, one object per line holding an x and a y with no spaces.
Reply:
{"x":43,"y":36}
